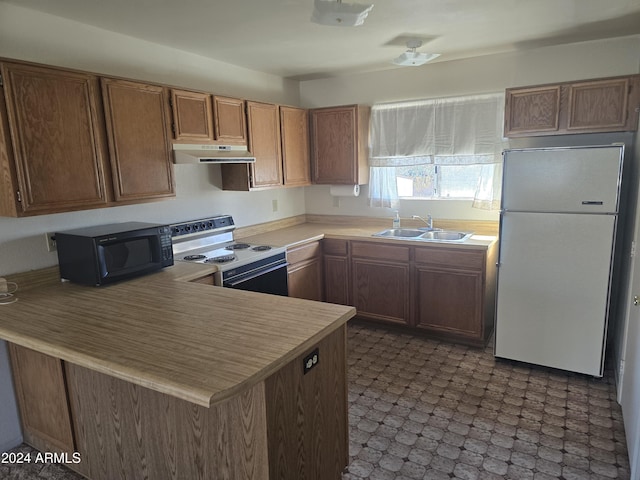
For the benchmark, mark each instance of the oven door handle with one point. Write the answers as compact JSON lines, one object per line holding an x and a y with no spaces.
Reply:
{"x":252,"y":275}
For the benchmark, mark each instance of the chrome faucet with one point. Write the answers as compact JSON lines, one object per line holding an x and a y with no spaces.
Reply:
{"x":428,"y":221}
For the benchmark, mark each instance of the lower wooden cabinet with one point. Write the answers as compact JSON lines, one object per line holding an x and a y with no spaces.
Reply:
{"x":42,"y":400}
{"x":304,"y":272}
{"x":445,"y":291}
{"x":336,"y":271}
{"x":380,"y":282}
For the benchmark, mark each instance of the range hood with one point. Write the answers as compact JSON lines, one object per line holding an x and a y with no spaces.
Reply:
{"x":211,"y":154}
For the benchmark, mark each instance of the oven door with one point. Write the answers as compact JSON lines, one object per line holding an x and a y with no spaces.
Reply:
{"x":264,"y":277}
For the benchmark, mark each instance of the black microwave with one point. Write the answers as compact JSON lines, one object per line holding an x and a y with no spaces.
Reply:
{"x":109,"y":253}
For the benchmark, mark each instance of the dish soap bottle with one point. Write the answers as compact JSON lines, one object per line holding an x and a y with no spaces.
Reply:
{"x":396,"y":220}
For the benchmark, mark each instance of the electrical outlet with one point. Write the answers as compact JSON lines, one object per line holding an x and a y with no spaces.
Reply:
{"x":50,"y":238}
{"x":310,"y":361}
{"x":274,"y":205}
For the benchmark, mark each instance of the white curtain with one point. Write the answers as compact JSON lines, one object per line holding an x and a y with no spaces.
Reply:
{"x":448,"y":131}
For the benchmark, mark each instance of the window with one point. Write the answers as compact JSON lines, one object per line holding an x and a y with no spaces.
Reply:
{"x":447,"y":148}
{"x":438,"y":181}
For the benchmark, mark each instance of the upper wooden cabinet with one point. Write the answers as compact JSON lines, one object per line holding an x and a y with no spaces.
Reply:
{"x":339,"y":144}
{"x":278,"y":138}
{"x":204,"y":118}
{"x":604,"y":105}
{"x":192,"y":116}
{"x":52,"y":141}
{"x":229,"y":121}
{"x":294,"y":129}
{"x":139,"y":141}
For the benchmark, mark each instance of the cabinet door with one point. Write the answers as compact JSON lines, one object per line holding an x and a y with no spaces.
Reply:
{"x":334,"y":153}
{"x":58,"y":138}
{"x":380,"y":281}
{"x":305,"y":271}
{"x":264,"y":143}
{"x":192,"y":116}
{"x":336,"y":279}
{"x":532,"y":110}
{"x":449,"y":292}
{"x":229,"y":121}
{"x":42,"y":400}
{"x":294,"y":125}
{"x":449,"y":301}
{"x":138,"y":126}
{"x":598,"y":105}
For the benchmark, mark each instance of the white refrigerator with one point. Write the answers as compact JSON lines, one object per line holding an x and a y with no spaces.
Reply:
{"x":558,"y":224}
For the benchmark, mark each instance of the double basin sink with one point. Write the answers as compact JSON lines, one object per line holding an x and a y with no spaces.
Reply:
{"x":435,"y":235}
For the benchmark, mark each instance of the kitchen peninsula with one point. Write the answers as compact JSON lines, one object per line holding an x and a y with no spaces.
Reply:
{"x":163,"y":377}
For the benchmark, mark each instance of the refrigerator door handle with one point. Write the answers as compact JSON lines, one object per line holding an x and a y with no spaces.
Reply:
{"x":592,"y":202}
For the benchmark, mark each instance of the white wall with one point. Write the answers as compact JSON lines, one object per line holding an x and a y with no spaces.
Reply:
{"x":488,"y":74}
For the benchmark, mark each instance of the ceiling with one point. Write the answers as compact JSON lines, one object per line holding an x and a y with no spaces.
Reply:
{"x":277,"y":36}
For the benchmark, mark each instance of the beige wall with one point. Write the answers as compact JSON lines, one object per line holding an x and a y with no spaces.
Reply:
{"x":37,"y":37}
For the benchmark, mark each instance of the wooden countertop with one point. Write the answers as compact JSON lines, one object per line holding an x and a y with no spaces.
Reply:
{"x":197,"y":342}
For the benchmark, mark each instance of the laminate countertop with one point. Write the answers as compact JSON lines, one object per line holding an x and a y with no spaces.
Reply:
{"x":307,"y":232}
{"x":197,"y":342}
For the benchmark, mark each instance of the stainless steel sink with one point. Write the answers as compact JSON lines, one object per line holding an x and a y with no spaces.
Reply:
{"x":435,"y":235}
{"x":399,"y":233}
{"x":446,"y":235}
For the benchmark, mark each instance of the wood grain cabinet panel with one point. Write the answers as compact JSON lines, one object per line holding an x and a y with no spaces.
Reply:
{"x":229,"y":120}
{"x":598,"y":105}
{"x":307,"y":415}
{"x":42,"y":400}
{"x":139,"y":141}
{"x":590,"y":106}
{"x":127,"y":431}
{"x":192,"y":116}
{"x":380,"y":282}
{"x":264,"y":143}
{"x":339,"y":137}
{"x":304,"y":271}
{"x":54,"y":131}
{"x":294,"y":128}
{"x":532,"y":110}
{"x":454,"y":292}
{"x":263,"y":123}
{"x":337,"y":281}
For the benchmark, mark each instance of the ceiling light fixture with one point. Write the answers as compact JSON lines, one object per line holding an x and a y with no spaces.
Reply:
{"x":411,"y":58}
{"x":339,"y":14}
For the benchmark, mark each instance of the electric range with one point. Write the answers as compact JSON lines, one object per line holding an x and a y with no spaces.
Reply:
{"x":239,"y":264}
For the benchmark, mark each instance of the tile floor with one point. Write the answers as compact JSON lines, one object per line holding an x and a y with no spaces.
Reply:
{"x":423,"y":409}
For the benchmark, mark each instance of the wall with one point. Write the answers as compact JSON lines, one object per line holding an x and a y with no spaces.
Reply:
{"x":487,"y":74}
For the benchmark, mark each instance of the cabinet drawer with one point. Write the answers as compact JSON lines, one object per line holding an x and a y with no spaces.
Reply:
{"x":206,"y":280}
{"x":303,"y":252}
{"x":380,"y":251}
{"x":456,"y":258}
{"x":334,"y":247}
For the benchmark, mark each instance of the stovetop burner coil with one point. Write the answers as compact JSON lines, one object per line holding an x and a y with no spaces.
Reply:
{"x":237,"y":246}
{"x":194,"y":257}
{"x":221,"y":259}
{"x":261,"y":248}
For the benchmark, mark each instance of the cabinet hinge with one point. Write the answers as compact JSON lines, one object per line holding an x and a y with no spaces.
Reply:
{"x":1,"y":83}
{"x":19,"y":196}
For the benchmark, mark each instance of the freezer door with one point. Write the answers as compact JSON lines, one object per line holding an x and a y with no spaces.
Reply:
{"x":553,"y":289}
{"x":583,"y":180}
